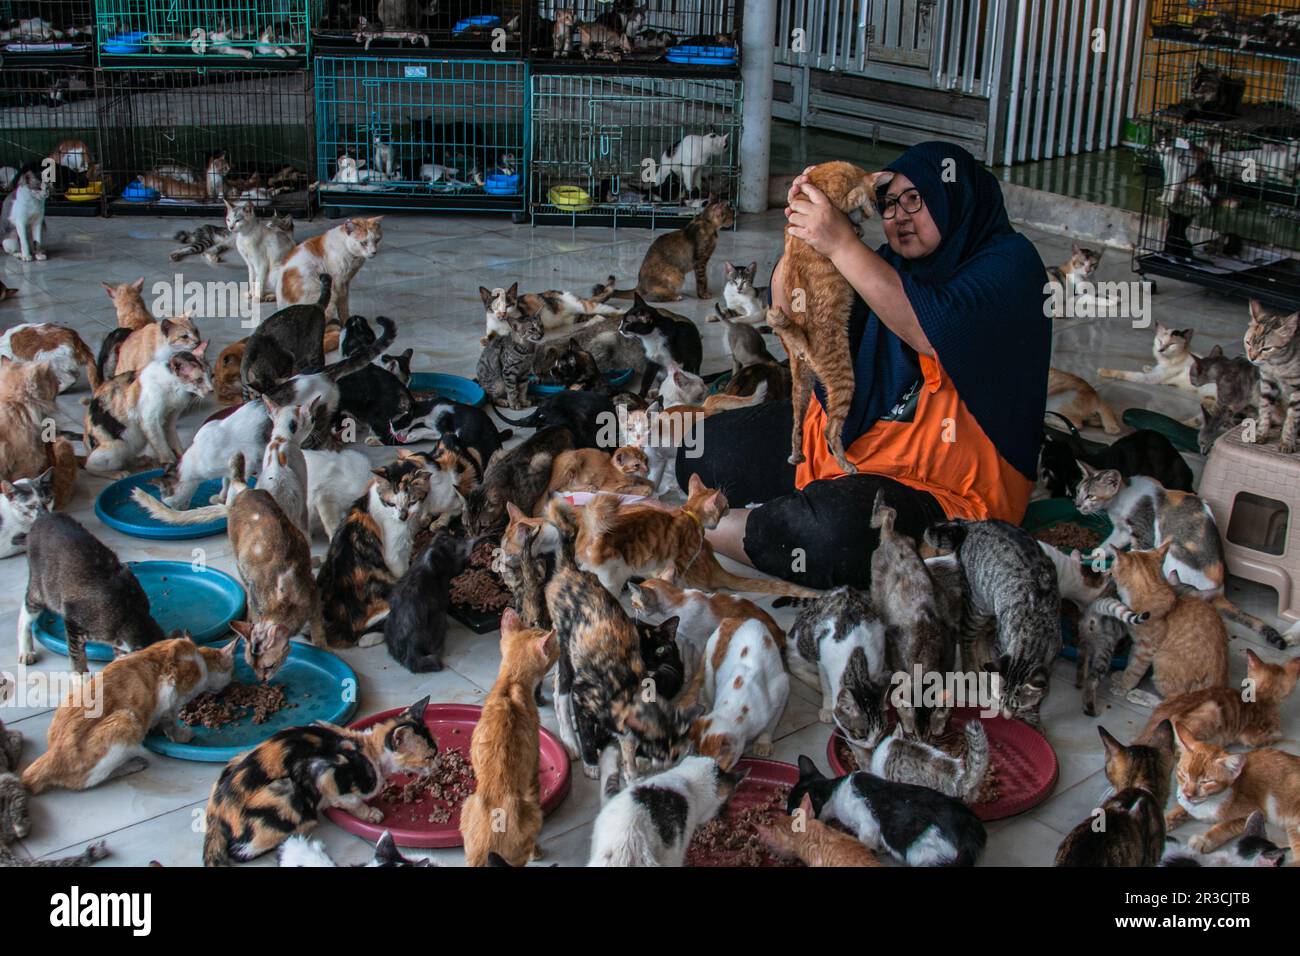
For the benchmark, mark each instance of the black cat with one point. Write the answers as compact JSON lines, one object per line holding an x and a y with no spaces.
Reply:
{"x":1144,"y":452}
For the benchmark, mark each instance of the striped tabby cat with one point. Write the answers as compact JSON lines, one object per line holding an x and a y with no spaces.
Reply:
{"x":206,"y":240}
{"x":506,"y":362}
{"x":1273,"y":344}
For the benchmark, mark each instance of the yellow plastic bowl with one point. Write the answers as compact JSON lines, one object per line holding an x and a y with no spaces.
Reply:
{"x":569,"y":197}
{"x":86,"y":193}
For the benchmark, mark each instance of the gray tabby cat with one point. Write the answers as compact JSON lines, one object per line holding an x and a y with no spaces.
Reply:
{"x":507,"y":361}
{"x":1101,"y":628}
{"x":904,"y":760}
{"x":745,"y":342}
{"x":1236,"y":385}
{"x":1273,"y":344}
{"x":903,"y":594}
{"x":207,"y":240}
{"x":1009,"y":584}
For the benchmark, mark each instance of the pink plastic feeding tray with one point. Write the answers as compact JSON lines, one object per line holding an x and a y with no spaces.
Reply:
{"x":767,"y":780}
{"x":1023,"y":760}
{"x":451,"y":725}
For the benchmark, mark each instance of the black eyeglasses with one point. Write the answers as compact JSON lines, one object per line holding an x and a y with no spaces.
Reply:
{"x":909,"y":199}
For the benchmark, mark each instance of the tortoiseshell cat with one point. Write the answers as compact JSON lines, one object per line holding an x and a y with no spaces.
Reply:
{"x":1079,"y":267}
{"x":674,"y":254}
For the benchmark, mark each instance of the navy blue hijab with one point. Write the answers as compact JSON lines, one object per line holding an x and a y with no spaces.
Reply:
{"x":979,"y":299}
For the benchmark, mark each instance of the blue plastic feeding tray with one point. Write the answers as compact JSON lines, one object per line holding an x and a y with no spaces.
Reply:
{"x":486,"y":22}
{"x":454,"y":387}
{"x":617,"y":377}
{"x":702,"y":55}
{"x":125,"y":44}
{"x":118,"y":510}
{"x":202,"y":601}
{"x":138,"y":192}
{"x":317,"y":685}
{"x":501,"y":184}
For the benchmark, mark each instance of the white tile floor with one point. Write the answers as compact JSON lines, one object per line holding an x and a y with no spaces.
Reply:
{"x":426,"y":278}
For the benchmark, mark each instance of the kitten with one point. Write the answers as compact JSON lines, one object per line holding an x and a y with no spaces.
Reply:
{"x":745,"y":687}
{"x":837,"y":644}
{"x":915,"y":825}
{"x":261,"y":245}
{"x":516,"y":476}
{"x":1078,"y":268}
{"x":681,"y":387}
{"x":662,"y":656}
{"x":21,"y":503}
{"x":1225,"y":789}
{"x":656,"y":431}
{"x":675,"y":254}
{"x":1273,"y":344}
{"x":813,"y":842}
{"x":610,"y":349}
{"x":212,"y":188}
{"x":369,"y":552}
{"x":278,"y":788}
{"x":1143,"y":514}
{"x":698,"y":613}
{"x":575,"y":369}
{"x":598,"y":40}
{"x":290,"y":341}
{"x":903,"y":759}
{"x":399,"y":365}
{"x":128,"y":304}
{"x":1227,"y":716}
{"x":58,"y":346}
{"x":97,"y":733}
{"x":1173,"y":355}
{"x":817,"y":341}
{"x":1073,"y":398}
{"x":1235,"y":380}
{"x":1253,"y":849}
{"x":651,"y":822}
{"x":299,"y":851}
{"x":1134,"y":831}
{"x":504,"y":813}
{"x":284,"y":465}
{"x":227,"y":387}
{"x":903,"y":595}
{"x":416,"y":627}
{"x":590,"y":469}
{"x":130,"y":351}
{"x":618,"y":542}
{"x":23,"y":217}
{"x":687,"y":159}
{"x":340,"y":253}
{"x":507,"y":361}
{"x":134,"y":411}
{"x":266,"y":45}
{"x":1007,"y":584}
{"x":207,"y":240}
{"x":746,"y":344}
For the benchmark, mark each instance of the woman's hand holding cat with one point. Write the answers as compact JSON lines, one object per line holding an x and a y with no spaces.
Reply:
{"x":814,"y":220}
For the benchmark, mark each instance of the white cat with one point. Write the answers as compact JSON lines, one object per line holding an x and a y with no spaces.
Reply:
{"x":341,"y":252}
{"x":384,"y":163}
{"x":435,"y":173}
{"x":688,"y":158}
{"x":266,"y":45}
{"x":680,"y":387}
{"x":219,"y":41}
{"x":335,"y":479}
{"x":1173,"y":355}
{"x":245,"y":431}
{"x":350,"y":170}
{"x":261,"y":245}
{"x":634,"y":830}
{"x":23,"y":214}
{"x":746,"y":688}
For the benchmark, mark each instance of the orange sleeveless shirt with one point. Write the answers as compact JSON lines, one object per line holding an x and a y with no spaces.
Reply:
{"x":942,"y":450}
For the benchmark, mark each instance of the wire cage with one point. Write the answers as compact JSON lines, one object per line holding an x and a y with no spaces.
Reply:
{"x":631,"y":150}
{"x":43,"y":28}
{"x":421,"y":133}
{"x":704,"y":34}
{"x":414,"y":27}
{"x":1261,"y":27}
{"x":49,"y":124}
{"x":213,"y":32}
{"x":181,"y":142}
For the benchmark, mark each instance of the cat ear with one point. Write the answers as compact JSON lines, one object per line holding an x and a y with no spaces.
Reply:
{"x":1184,"y":737}
{"x":7,"y":489}
{"x":545,"y":645}
{"x":512,"y":292}
{"x":695,"y":485}
{"x":668,"y":628}
{"x":1163,"y":737}
{"x":729,"y":269}
{"x":243,"y":628}
{"x":753,"y":267}
{"x":416,"y":710}
{"x":107,"y":288}
{"x":1234,"y":764}
{"x":198,"y":350}
{"x":510,"y":621}
{"x":1113,"y":747}
{"x":1074,"y":248}
{"x":807,"y":768}
{"x":1257,"y":310}
{"x":138,"y":284}
{"x":1216,"y":352}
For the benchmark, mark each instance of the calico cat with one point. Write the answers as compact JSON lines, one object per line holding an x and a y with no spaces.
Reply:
{"x":518,"y":476}
{"x":1253,"y":849}
{"x":1173,"y":354}
{"x":97,"y":733}
{"x":837,"y":645}
{"x":915,"y":825}
{"x":903,"y":595}
{"x":1007,"y":584}
{"x":590,"y":469}
{"x":775,"y":378}
{"x":817,"y":340}
{"x":599,"y":683}
{"x":903,"y":759}
{"x":675,"y":254}
{"x":340,"y":253}
{"x":745,"y":686}
{"x":1273,"y":344}
{"x":134,"y":411}
{"x":1142,"y":452}
{"x":72,"y":573}
{"x":688,"y":157}
{"x":128,"y":304}
{"x":130,"y":351}
{"x":278,"y":788}
{"x":207,"y":240}
{"x":557,"y":308}
{"x":369,"y":552}
{"x":1227,"y":716}
{"x":1143,"y":513}
{"x":1074,"y":399}
{"x":576,"y":370}
{"x":814,"y":843}
{"x":57,"y":346}
{"x":21,"y":503}
{"x":507,"y":361}
{"x":1078,"y":268}
{"x":261,"y":245}
{"x":290,"y":341}
{"x":1226,"y":788}
{"x":698,"y":613}
{"x":1134,"y":815}
{"x":299,"y":851}
{"x":651,"y":822}
{"x":504,"y":813}
{"x":23,"y":217}
{"x":416,"y":627}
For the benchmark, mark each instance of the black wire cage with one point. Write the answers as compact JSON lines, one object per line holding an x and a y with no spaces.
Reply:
{"x":1263,"y":27}
{"x":189,"y":33}
{"x":631,"y":150}
{"x":38,"y":29}
{"x":608,"y":34}
{"x":49,"y":124}
{"x":413,"y":27}
{"x":182,"y":141}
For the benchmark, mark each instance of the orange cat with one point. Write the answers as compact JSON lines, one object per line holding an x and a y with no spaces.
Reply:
{"x":97,"y":732}
{"x":1184,"y":641}
{"x":1226,"y":788}
{"x":1223,"y":716}
{"x":1073,"y":397}
{"x":27,"y":394}
{"x":590,"y":469}
{"x":815,"y":843}
{"x":504,"y":814}
{"x":816,"y":337}
{"x":226,"y":383}
{"x":212,"y":188}
{"x":128,"y":301}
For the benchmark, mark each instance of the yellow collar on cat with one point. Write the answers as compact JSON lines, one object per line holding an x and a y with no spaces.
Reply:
{"x":688,"y":511}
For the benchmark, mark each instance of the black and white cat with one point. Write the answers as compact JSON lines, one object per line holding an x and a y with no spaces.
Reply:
{"x":21,"y":503}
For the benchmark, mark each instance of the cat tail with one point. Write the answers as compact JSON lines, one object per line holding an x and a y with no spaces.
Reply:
{"x":86,"y":359}
{"x":598,"y":514}
{"x":300,"y":851}
{"x":946,"y":535}
{"x":168,"y":515}
{"x":42,"y":774}
{"x":63,"y":459}
{"x":882,"y":516}
{"x":560,"y":516}
{"x":722,"y":578}
{"x":359,"y":360}
{"x":529,"y":421}
{"x":1114,"y":607}
{"x":611,"y":781}
{"x":326,"y":287}
{"x":601,"y":292}
{"x":623,"y":293}
{"x":215,"y":850}
{"x":976,"y":764}
{"x":1236,"y":615}
{"x":108,"y":351}
{"x":91,"y":854}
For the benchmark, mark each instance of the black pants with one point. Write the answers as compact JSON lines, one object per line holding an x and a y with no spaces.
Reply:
{"x":820,"y":537}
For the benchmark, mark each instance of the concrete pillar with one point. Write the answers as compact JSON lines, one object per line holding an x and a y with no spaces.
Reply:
{"x":757,"y":56}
